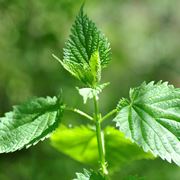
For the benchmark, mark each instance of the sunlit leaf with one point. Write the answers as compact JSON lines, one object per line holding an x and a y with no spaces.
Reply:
{"x":80,"y":143}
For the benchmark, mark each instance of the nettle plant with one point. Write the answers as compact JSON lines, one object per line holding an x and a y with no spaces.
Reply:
{"x":148,"y":123}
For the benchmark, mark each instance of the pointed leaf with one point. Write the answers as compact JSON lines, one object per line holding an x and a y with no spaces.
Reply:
{"x":86,"y":52}
{"x":29,"y":123}
{"x":152,"y":119}
{"x":80,"y":143}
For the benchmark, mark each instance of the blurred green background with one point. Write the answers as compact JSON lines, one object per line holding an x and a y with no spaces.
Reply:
{"x":144,"y":36}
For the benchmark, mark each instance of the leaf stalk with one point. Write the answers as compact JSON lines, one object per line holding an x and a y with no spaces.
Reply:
{"x":79,"y":112}
{"x":114,"y":111}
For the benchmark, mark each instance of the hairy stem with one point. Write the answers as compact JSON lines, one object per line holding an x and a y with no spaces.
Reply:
{"x":79,"y":112}
{"x":114,"y":111}
{"x":100,"y":137}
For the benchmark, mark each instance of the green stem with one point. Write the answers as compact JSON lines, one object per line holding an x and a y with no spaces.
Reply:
{"x":79,"y":112}
{"x":100,"y":137}
{"x":109,"y":114}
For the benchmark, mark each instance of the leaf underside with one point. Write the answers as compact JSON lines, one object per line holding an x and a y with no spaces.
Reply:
{"x":29,"y":123}
{"x":80,"y":143}
{"x":89,"y":93}
{"x":152,"y":119}
{"x":86,"y":52}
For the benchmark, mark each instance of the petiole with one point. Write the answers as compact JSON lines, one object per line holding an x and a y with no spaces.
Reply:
{"x":79,"y":112}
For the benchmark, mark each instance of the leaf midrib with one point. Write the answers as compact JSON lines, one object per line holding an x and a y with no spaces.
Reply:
{"x":154,"y":129}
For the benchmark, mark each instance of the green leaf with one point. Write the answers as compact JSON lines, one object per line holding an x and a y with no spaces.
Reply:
{"x":86,"y":52}
{"x":29,"y":123}
{"x":80,"y":143}
{"x":151,"y":118}
{"x":89,"y":93}
{"x":89,"y":175}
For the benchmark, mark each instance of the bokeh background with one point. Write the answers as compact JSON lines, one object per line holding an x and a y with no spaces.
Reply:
{"x":144,"y":36}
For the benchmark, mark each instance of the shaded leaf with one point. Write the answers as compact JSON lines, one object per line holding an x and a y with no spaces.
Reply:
{"x":151,"y":118}
{"x":29,"y":123}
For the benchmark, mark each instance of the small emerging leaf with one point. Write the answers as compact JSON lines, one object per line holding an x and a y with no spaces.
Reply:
{"x":89,"y":93}
{"x":95,"y":65}
{"x":89,"y":175}
{"x":29,"y":123}
{"x":152,"y":119}
{"x":86,"y":52}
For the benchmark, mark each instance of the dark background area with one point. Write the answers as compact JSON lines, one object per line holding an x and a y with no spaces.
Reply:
{"x":144,"y":37}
